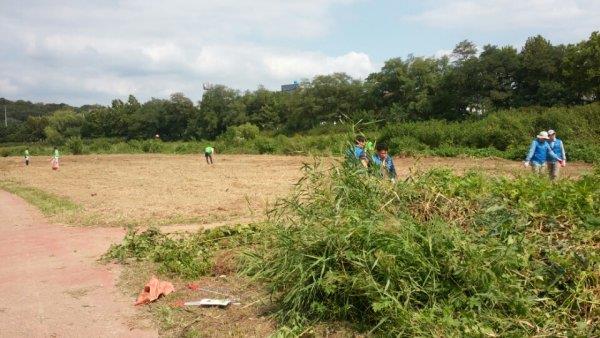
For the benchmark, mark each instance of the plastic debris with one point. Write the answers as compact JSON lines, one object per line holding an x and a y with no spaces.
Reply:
{"x":154,"y":289}
{"x":209,"y":302}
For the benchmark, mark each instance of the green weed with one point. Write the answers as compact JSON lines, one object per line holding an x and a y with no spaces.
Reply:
{"x":49,"y":204}
{"x":179,"y":255}
{"x":435,"y":255}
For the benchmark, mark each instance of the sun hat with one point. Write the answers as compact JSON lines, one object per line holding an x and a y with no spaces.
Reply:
{"x":543,"y":135}
{"x":551,"y":132}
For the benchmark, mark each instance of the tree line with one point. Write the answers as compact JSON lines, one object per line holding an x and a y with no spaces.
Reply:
{"x":469,"y":82}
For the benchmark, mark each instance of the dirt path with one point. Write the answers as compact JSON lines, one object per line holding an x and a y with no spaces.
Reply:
{"x":52,"y":285}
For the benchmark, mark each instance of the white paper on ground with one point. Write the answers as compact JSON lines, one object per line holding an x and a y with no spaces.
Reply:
{"x":209,"y":302}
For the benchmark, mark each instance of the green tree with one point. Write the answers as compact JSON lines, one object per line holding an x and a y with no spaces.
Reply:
{"x":36,"y":126}
{"x":582,"y":69}
{"x":179,"y":110}
{"x":464,"y":51}
{"x":499,"y":68}
{"x":219,"y":108}
{"x":63,"y":124}
{"x":539,"y":79}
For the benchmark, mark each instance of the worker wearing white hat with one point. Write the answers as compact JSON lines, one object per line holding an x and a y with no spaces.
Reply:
{"x":539,"y":152}
{"x":558,"y":148}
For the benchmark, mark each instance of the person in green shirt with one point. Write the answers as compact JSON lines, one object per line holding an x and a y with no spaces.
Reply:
{"x":208,"y":152}
{"x":54,"y":160}
{"x":370,"y":148}
{"x":26,"y":154}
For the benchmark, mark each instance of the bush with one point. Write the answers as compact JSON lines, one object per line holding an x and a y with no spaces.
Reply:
{"x":188,"y":148}
{"x":175,"y":256}
{"x":438,"y":255}
{"x":75,"y":145}
{"x":241,"y":133}
{"x":508,"y":131}
{"x":151,"y":146}
{"x":100,"y":145}
{"x":405,"y":146}
{"x":125,"y":148}
{"x":265,"y":145}
{"x":184,"y":256}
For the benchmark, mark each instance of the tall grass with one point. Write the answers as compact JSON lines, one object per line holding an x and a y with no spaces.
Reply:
{"x":436,"y":255}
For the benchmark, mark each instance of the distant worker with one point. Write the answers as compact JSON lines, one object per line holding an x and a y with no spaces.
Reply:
{"x":54,"y":161}
{"x":208,"y":152}
{"x":26,"y":154}
{"x":539,"y":152}
{"x":558,"y":148}
{"x":383,"y":162}
{"x":358,"y":152}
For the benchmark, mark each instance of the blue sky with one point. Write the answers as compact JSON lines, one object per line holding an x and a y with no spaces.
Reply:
{"x":91,"y":52}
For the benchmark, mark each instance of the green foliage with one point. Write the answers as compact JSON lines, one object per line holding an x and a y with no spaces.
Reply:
{"x":435,"y":255}
{"x":151,"y":146}
{"x":239,"y":134}
{"x":75,"y":145}
{"x":266,"y":145}
{"x":177,"y":255}
{"x":49,"y":204}
{"x":63,"y":124}
{"x":504,"y":134}
{"x":100,"y":145}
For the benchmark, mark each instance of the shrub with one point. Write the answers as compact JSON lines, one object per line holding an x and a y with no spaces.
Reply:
{"x":125,"y":148}
{"x":405,"y":146}
{"x":241,"y":133}
{"x":175,"y":256}
{"x":151,"y":146}
{"x":265,"y":145}
{"x":75,"y":145}
{"x":188,"y":148}
{"x":185,"y":256}
{"x":437,"y":255}
{"x":100,"y":145}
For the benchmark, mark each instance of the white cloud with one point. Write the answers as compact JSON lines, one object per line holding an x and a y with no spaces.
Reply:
{"x":80,"y":52}
{"x":7,"y":86}
{"x":163,"y":52}
{"x":443,"y":52}
{"x":108,"y":85}
{"x":306,"y":65}
{"x":251,"y":64}
{"x":573,"y":15}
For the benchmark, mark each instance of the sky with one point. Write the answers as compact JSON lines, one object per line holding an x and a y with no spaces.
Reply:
{"x":91,"y":52}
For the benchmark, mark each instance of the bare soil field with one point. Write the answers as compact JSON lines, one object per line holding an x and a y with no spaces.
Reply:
{"x":182,"y":191}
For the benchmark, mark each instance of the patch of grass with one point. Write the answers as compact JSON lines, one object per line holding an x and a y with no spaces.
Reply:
{"x":435,"y":255}
{"x":184,"y":256}
{"x":49,"y":204}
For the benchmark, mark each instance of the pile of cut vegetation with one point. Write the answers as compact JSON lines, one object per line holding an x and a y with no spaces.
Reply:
{"x":435,"y":255}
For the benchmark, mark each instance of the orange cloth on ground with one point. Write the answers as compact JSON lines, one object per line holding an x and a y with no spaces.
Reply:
{"x":154,"y":289}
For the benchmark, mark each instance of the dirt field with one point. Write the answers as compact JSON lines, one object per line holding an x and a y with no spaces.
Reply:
{"x":183,"y":192}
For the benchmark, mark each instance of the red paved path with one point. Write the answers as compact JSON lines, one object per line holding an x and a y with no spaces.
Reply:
{"x":50,"y":282}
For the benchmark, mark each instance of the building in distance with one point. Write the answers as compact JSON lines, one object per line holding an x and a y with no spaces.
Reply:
{"x":290,"y":87}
